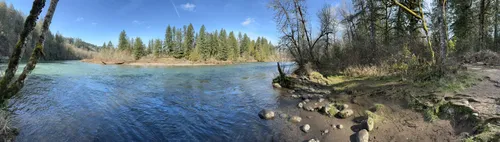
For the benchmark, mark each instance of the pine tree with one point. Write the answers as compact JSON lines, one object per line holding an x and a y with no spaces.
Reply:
{"x":245,"y":45}
{"x":110,"y":45}
{"x":169,"y":41}
{"x":202,"y":44}
{"x":123,"y":41}
{"x":104,"y":46}
{"x":214,"y":44}
{"x":189,"y":39}
{"x":234,"y":49}
{"x":223,"y":49}
{"x":157,"y":48}
{"x":179,"y":51}
{"x":138,"y":48}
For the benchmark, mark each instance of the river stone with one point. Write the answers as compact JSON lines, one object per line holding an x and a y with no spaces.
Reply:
{"x":305,"y":128}
{"x":340,"y":126}
{"x":330,"y":110}
{"x":321,"y":100}
{"x":307,"y":100}
{"x":266,"y":114}
{"x":346,"y":113}
{"x":309,"y":108}
{"x":313,"y":140}
{"x":283,"y":115}
{"x":324,"y":132}
{"x":300,"y":105}
{"x":369,"y":124}
{"x":276,"y":85}
{"x":295,"y":119}
{"x":363,"y":136}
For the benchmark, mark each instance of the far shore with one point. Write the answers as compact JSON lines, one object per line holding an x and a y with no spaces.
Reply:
{"x":161,"y":62}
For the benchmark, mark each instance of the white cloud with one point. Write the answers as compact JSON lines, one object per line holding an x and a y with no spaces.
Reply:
{"x":248,"y":21}
{"x":188,"y":6}
{"x":79,"y":19}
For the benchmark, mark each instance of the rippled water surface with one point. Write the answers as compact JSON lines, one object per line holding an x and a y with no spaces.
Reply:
{"x":75,"y":101}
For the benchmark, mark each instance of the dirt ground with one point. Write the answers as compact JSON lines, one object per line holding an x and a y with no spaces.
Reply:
{"x":399,"y":123}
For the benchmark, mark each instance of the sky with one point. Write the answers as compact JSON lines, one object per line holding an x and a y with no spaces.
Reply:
{"x":99,"y":21}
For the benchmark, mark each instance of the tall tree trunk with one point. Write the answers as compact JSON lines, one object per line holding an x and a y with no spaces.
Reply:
{"x":496,"y":33}
{"x":29,"y":25}
{"x":35,"y":55}
{"x":373,"y":42}
{"x":442,"y":32}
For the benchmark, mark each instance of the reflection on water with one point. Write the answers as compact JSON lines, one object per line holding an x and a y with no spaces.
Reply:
{"x":74,"y":101}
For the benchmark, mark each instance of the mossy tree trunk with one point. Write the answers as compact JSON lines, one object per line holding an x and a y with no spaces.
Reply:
{"x":16,"y":86}
{"x":29,"y":25}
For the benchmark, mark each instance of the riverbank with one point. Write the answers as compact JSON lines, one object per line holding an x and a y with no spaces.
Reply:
{"x":458,"y":108}
{"x":160,"y":62}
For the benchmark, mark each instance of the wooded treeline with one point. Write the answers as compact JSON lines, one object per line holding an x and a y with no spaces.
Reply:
{"x":197,"y":46}
{"x":57,"y":47}
{"x":401,"y":33}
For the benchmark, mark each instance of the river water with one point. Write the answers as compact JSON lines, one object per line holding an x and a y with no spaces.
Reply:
{"x":75,"y":101}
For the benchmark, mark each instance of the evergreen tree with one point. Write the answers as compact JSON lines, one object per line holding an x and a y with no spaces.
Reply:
{"x":169,"y":41}
{"x":214,"y":44}
{"x":104,"y":46}
{"x":179,"y":51}
{"x":189,"y":39}
{"x":110,"y":45}
{"x":157,"y":48}
{"x":202,"y":44}
{"x":138,"y":48}
{"x":234,"y":50}
{"x":245,"y":45}
{"x":223,"y":49}
{"x":123,"y":43}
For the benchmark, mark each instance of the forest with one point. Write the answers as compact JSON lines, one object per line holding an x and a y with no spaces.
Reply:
{"x":401,"y":35}
{"x":185,"y":43}
{"x":57,"y":46}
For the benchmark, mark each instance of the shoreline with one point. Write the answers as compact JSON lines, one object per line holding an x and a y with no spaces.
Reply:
{"x":163,"y":62}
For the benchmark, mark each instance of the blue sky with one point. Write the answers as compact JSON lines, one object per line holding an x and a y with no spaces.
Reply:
{"x":99,"y":21}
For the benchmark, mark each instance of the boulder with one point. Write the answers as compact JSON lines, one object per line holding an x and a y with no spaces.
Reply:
{"x":346,"y":113}
{"x":266,"y":114}
{"x":305,"y":128}
{"x":363,"y":136}
{"x":283,"y":115}
{"x":369,"y":124}
{"x":276,"y":85}
{"x":330,"y":110}
{"x":295,"y":119}
{"x":321,"y":100}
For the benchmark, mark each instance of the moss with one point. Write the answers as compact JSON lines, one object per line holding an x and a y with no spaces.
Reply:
{"x":374,"y":116}
{"x":430,"y":115}
{"x":378,"y":107}
{"x":284,"y":81}
{"x":488,"y":133}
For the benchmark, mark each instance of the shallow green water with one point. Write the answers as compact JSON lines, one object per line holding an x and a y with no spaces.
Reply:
{"x":75,"y":101}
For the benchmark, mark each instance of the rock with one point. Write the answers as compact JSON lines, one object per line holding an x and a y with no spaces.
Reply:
{"x":295,"y":96}
{"x":307,"y":100}
{"x":266,"y":114}
{"x":276,"y":85}
{"x":330,"y":110}
{"x":283,"y":115}
{"x":305,"y":128}
{"x":291,"y":91}
{"x":339,"y":126}
{"x":321,"y":100}
{"x":363,"y":136}
{"x":309,"y":117}
{"x":346,"y":113}
{"x":475,"y":114}
{"x":369,"y":124}
{"x":295,"y":119}
{"x":309,"y":108}
{"x":324,"y":132}
{"x":300,"y":105}
{"x":313,"y":140}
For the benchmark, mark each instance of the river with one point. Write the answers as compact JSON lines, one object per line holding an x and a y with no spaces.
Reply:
{"x":75,"y":101}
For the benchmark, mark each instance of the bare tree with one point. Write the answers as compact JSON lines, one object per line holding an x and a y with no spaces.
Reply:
{"x":328,"y":23}
{"x":290,"y":16}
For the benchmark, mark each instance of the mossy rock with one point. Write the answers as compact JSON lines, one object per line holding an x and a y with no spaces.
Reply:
{"x":330,"y":110}
{"x":488,"y":133}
